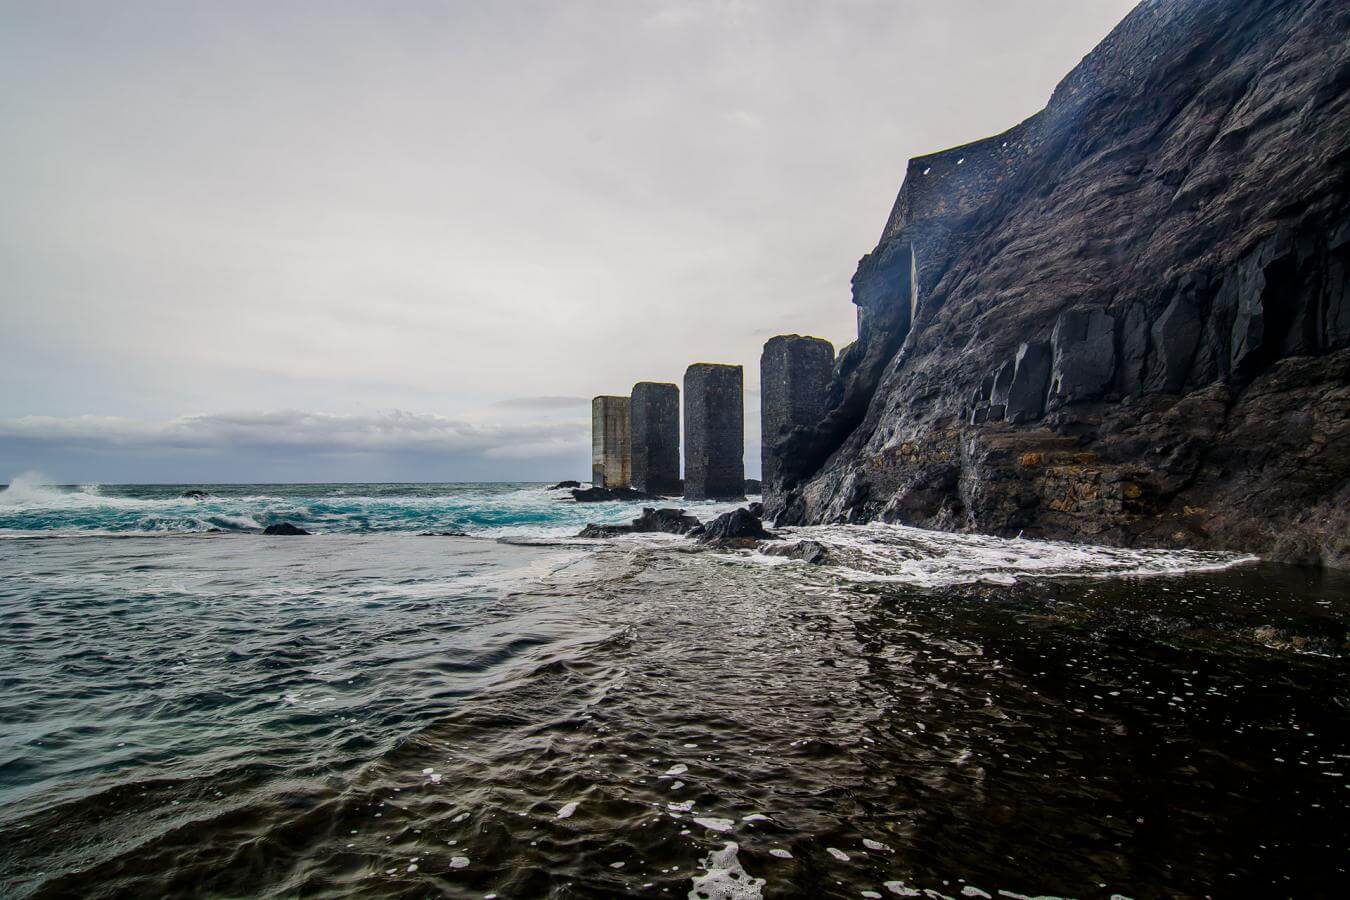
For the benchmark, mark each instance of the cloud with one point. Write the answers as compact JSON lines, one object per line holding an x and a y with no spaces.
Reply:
{"x":543,"y":402}
{"x":309,"y":432}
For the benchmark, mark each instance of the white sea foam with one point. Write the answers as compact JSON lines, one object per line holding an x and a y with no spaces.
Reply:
{"x":725,"y":878}
{"x":713,"y":823}
{"x":879,"y":552}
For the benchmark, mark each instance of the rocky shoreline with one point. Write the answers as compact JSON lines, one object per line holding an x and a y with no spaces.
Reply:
{"x":1124,"y":321}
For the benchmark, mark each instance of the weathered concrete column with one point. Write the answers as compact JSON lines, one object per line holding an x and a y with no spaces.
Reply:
{"x":654,"y":418}
{"x":609,"y":442}
{"x":794,"y":375}
{"x":714,"y":432}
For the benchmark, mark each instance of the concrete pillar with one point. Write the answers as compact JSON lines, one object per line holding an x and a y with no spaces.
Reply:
{"x":714,"y":432}
{"x":794,"y":375}
{"x":654,"y":418}
{"x":609,"y":442}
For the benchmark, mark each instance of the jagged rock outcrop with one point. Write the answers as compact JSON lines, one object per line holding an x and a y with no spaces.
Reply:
{"x":810,"y":552}
{"x":1125,"y":320}
{"x":666,"y":520}
{"x":738,"y":528}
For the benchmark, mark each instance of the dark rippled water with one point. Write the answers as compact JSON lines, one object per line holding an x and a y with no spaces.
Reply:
{"x":393,"y":715}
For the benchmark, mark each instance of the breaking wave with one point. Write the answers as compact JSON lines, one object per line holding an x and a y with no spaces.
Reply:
{"x":522,"y":510}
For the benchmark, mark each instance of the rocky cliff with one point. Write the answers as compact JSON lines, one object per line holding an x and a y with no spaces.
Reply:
{"x":1126,"y":320}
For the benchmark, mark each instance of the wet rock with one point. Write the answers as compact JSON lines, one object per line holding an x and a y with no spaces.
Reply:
{"x":1205,"y":215}
{"x":284,"y":528}
{"x":737,"y":528}
{"x":602,"y":495}
{"x":811,"y":552}
{"x":1174,"y":338}
{"x":593,"y":530}
{"x":1134,"y":337}
{"x":442,"y":534}
{"x":753,"y":486}
{"x":998,"y":392}
{"x":1031,"y":375}
{"x":667,"y":521}
{"x":194,"y":495}
{"x":563,"y":485}
{"x":670,"y":521}
{"x":1084,"y":348}
{"x":756,"y":509}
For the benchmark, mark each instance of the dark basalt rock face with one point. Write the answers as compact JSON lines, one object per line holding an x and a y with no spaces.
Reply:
{"x":284,"y":529}
{"x":1084,"y":348}
{"x":669,"y":521}
{"x":1125,"y":320}
{"x":565,"y":485}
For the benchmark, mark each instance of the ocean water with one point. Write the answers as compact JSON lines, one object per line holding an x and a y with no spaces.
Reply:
{"x":483,"y":510}
{"x":189,"y":708}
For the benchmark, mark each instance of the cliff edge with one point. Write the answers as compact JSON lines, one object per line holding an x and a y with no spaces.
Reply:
{"x":1125,"y":320}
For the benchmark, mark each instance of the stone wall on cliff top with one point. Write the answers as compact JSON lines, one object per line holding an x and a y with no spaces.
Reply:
{"x":1127,"y":319}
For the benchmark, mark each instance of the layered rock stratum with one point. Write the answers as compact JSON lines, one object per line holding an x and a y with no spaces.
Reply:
{"x":1125,"y":320}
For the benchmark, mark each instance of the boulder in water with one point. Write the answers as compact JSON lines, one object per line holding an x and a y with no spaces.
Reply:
{"x":592,"y":530}
{"x":284,"y":528}
{"x":810,"y":552}
{"x":194,"y":495}
{"x":668,"y":521}
{"x":738,"y":528}
{"x":564,"y":485}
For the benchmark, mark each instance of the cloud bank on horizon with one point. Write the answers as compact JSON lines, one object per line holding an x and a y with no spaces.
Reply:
{"x":308,"y":446}
{"x":483,"y":213}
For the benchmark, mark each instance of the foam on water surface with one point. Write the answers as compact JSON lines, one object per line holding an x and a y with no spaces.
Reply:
{"x":725,"y":878}
{"x":879,"y":552}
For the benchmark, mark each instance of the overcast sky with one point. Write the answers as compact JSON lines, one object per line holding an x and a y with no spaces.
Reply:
{"x":397,"y":240}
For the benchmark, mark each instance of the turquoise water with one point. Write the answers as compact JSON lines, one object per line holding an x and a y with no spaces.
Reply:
{"x":482,"y":510}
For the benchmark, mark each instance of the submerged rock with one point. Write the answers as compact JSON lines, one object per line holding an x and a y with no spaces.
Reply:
{"x":284,"y":528}
{"x":668,"y":521}
{"x":810,"y":552}
{"x":194,"y":495}
{"x":602,"y":495}
{"x":592,"y":530}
